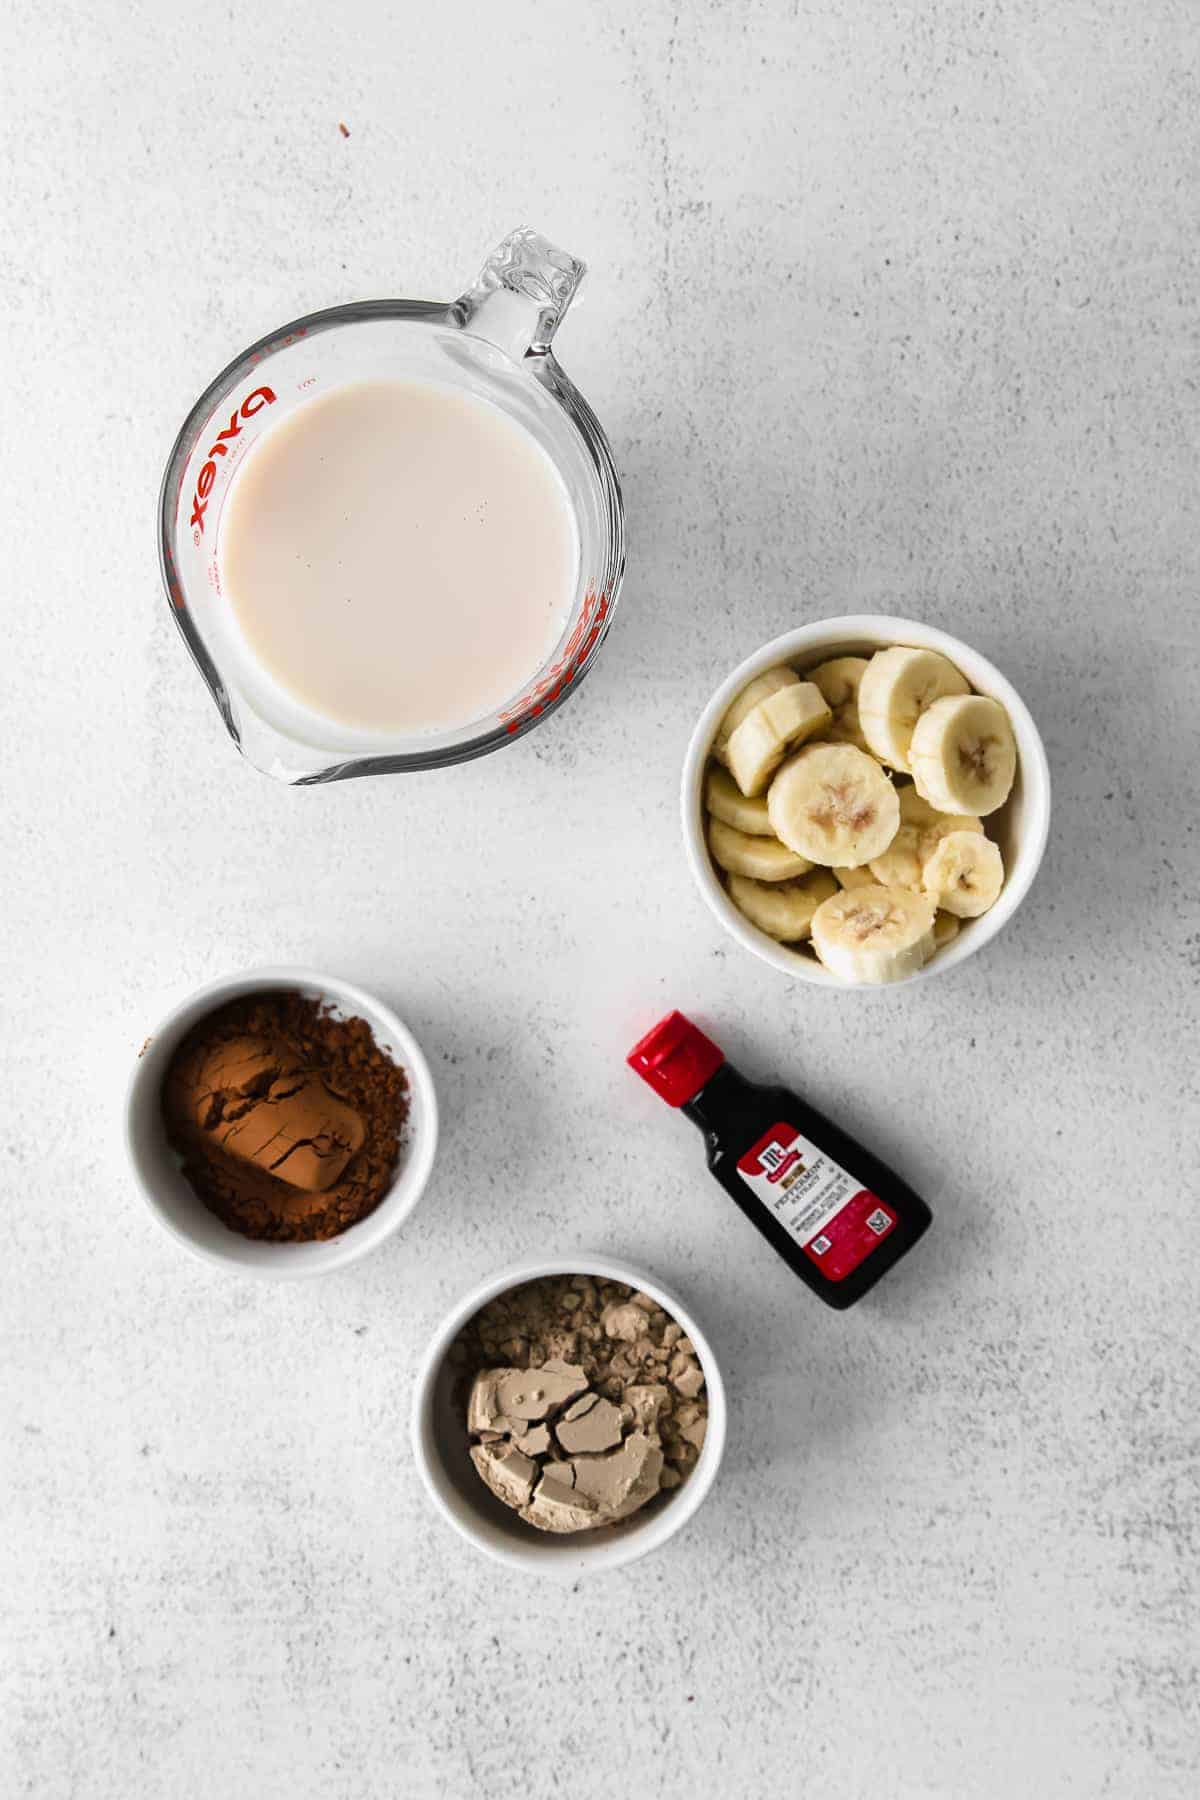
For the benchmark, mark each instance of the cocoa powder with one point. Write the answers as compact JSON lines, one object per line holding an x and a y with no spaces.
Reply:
{"x":303,"y":1050}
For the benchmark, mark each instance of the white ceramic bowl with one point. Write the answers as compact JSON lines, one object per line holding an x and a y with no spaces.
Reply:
{"x":157,"y":1167}
{"x":1020,"y":827}
{"x":440,"y":1445}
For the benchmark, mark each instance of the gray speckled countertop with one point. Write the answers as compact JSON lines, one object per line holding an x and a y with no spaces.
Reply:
{"x":891,"y":307}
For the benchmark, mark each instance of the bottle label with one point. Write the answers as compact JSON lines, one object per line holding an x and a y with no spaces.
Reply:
{"x":835,"y":1220}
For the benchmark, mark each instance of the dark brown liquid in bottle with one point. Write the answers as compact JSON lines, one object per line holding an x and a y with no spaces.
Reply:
{"x":837,"y":1215}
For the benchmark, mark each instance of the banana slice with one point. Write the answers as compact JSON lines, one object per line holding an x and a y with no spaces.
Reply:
{"x":945,"y":928}
{"x":852,"y":878}
{"x":901,"y":864}
{"x":874,"y":934}
{"x":921,"y":828}
{"x":895,"y":690}
{"x":762,"y":859}
{"x":839,"y":681}
{"x":964,"y":755}
{"x":726,"y":801}
{"x":835,"y":805}
{"x":964,"y":874}
{"x":759,"y":744}
{"x":784,"y":911}
{"x":916,"y":811}
{"x":761,"y":688}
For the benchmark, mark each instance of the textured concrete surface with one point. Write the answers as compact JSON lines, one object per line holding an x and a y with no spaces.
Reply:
{"x":890,"y":306}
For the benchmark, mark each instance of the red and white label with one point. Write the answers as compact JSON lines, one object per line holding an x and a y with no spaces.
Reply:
{"x":835,"y":1220}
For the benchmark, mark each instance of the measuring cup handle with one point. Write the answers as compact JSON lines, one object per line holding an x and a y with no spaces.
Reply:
{"x":521,"y":293}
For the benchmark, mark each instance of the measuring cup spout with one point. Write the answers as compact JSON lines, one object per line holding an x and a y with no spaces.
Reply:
{"x":520,"y":295}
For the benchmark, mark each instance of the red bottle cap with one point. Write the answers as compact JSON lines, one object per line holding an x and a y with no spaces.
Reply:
{"x":676,"y":1059}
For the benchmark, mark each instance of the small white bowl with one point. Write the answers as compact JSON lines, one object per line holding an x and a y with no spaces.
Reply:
{"x":173,"y":1201}
{"x":441,"y":1449}
{"x":1020,"y":827}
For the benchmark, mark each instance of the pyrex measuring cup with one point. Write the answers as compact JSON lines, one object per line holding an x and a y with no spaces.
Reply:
{"x":494,"y":341}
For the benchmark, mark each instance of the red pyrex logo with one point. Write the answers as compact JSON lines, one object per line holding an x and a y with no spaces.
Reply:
{"x":253,"y":403}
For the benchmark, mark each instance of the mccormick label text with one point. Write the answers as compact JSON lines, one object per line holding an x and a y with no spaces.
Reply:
{"x":825,"y":1210}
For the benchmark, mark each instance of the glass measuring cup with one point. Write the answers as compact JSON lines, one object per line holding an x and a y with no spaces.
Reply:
{"x":494,"y":342}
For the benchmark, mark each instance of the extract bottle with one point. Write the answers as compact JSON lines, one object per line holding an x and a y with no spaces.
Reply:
{"x":837,"y":1215}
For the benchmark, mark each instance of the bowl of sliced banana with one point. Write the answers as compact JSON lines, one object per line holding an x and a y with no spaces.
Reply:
{"x":866,"y":801}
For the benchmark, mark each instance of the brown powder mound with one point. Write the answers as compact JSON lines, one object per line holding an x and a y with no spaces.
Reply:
{"x":276,"y":1083}
{"x":583,"y":1400}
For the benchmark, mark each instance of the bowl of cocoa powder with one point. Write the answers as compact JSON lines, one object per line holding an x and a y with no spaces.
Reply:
{"x":281,"y":1123}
